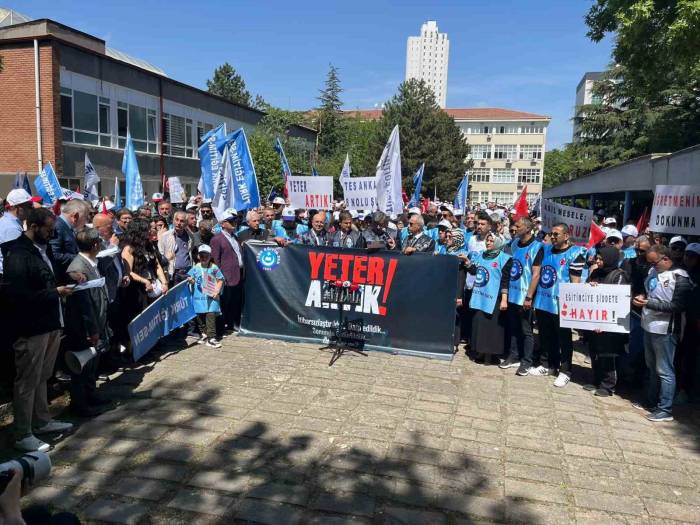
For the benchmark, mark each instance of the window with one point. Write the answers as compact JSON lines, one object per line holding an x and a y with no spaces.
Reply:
{"x":177,"y":136}
{"x":479,"y":196}
{"x":69,"y":183}
{"x":531,"y":198}
{"x":528,"y":176}
{"x":502,"y":197}
{"x":505,"y":151}
{"x":533,"y":129}
{"x":530,"y":152}
{"x":67,"y":114}
{"x":503,"y":175}
{"x":141,"y":123}
{"x":480,"y":151}
{"x":84,"y":118}
{"x":486,"y":129}
{"x":479,"y":174}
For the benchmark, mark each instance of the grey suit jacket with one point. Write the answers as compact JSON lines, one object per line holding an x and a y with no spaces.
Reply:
{"x":86,"y":310}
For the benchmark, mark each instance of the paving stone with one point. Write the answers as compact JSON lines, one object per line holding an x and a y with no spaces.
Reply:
{"x":657,"y":475}
{"x":115,"y":511}
{"x":608,"y":502}
{"x":63,"y":498}
{"x":404,"y":516}
{"x":534,"y":473}
{"x":493,"y":509}
{"x":518,"y":489}
{"x":596,"y":517}
{"x":664,"y":509}
{"x":192,"y":436}
{"x":225,"y":481}
{"x":75,"y":477}
{"x":537,"y":513}
{"x":269,"y":512}
{"x":344,"y":503}
{"x":149,"y":489}
{"x":206,"y":502}
{"x":281,"y":492}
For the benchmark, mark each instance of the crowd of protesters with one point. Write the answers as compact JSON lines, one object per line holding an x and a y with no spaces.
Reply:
{"x":507,"y":289}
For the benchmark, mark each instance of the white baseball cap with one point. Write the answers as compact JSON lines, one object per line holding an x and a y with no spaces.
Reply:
{"x":230,"y":214}
{"x":613,"y":234}
{"x":445,"y":224}
{"x":391,"y":226}
{"x":676,"y":239}
{"x":458,"y":212}
{"x":204,"y":248}
{"x":157,"y":197}
{"x":629,"y":231}
{"x":693,"y":247}
{"x":18,"y":196}
{"x":288,"y":214}
{"x":278,"y":200}
{"x":413,"y":210}
{"x":354,"y":214}
{"x":609,"y":220}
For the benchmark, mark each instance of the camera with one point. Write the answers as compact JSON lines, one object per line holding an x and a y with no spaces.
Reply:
{"x":35,"y":466}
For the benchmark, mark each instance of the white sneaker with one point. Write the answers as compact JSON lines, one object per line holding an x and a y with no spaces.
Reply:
{"x":202,"y":340}
{"x":213,"y":343}
{"x":32,"y":444}
{"x":54,"y":426}
{"x":538,"y":371}
{"x":562,"y":380}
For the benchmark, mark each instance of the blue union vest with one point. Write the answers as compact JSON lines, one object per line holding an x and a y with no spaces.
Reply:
{"x":554,"y":270}
{"x":487,"y":285}
{"x":521,"y":271}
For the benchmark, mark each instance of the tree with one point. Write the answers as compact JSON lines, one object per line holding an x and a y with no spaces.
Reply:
{"x":428,"y":134}
{"x":561,"y":165}
{"x":227,"y":83}
{"x":329,"y":121}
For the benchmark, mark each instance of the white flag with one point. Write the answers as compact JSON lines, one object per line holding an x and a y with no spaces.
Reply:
{"x":223,"y":187}
{"x":346,"y":167}
{"x":91,"y":181}
{"x":389,"y":176}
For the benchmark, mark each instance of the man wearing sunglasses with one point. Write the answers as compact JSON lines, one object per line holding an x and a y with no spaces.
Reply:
{"x":668,"y":288}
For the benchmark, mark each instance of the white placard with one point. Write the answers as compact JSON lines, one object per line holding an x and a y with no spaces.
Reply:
{"x":676,"y":209}
{"x":587,"y":307}
{"x":208,"y":284}
{"x":177,"y":192}
{"x":310,"y":192}
{"x":578,"y":220}
{"x":359,"y":193}
{"x":95,"y":283}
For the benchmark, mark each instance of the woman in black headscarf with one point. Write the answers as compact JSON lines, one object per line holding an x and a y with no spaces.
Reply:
{"x":605,"y":347}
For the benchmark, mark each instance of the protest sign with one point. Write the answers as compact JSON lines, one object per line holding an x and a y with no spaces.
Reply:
{"x":168,"y":312}
{"x":578,"y":220}
{"x":310,"y":192}
{"x":208,"y":284}
{"x":586,"y":307}
{"x":288,"y":285}
{"x":177,"y":192}
{"x":359,"y":193}
{"x":676,"y":209}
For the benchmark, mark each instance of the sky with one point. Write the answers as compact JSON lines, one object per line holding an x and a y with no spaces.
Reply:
{"x":527,"y":55}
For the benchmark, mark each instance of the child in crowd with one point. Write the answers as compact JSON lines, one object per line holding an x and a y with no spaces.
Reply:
{"x":208,"y":280}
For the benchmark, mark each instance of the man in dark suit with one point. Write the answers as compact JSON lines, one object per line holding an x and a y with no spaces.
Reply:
{"x":86,"y":324}
{"x":74,"y":216}
{"x":227,"y":254}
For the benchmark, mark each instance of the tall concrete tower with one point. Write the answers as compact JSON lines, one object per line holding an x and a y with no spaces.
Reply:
{"x":426,"y":59}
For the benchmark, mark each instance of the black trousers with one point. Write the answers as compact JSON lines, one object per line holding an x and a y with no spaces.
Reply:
{"x":604,"y":349}
{"x":231,"y":307}
{"x":555,"y":341}
{"x":522,"y":340}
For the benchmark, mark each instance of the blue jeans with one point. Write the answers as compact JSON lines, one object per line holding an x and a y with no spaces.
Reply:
{"x":658,"y":354}
{"x":631,"y":363}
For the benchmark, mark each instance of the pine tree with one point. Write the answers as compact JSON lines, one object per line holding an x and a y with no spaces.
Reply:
{"x":329,"y":122}
{"x":227,"y":83}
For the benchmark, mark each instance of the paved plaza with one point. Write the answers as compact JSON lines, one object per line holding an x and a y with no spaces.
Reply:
{"x":265,"y":431}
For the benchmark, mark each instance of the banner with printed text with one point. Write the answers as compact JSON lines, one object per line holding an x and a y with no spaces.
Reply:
{"x":585,"y":307}
{"x":578,"y":220}
{"x":676,"y":209}
{"x":288,"y":286}
{"x":314,"y":193}
{"x":359,"y":193}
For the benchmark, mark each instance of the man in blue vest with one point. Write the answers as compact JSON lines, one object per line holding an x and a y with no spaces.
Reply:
{"x":562,"y":262}
{"x":524,"y":276}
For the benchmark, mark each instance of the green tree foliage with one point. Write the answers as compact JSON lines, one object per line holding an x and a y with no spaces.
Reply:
{"x":227,"y":83}
{"x":329,"y":117}
{"x":561,"y":165}
{"x":428,"y":134}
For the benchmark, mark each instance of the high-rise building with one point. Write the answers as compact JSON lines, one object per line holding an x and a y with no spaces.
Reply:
{"x":426,"y":59}
{"x":585,"y":96}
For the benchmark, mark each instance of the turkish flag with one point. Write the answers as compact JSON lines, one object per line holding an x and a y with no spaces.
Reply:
{"x":643,"y":221}
{"x":596,"y":235}
{"x":521,"y":205}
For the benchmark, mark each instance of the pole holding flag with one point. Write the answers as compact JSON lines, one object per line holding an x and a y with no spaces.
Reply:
{"x":388,"y":177}
{"x":417,"y":183}
{"x":286,"y":172}
{"x":130,"y":169}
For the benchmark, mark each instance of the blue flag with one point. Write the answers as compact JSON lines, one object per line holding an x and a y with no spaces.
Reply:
{"x":417,"y":183}
{"x":22,"y":181}
{"x":462,"y":194}
{"x":210,"y":151}
{"x":47,"y":185}
{"x":130,"y":169}
{"x":236,"y":183}
{"x":314,"y":173}
{"x":286,"y":172}
{"x":272,"y":195}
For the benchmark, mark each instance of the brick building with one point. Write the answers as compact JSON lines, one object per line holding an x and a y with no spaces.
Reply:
{"x":89,"y":96}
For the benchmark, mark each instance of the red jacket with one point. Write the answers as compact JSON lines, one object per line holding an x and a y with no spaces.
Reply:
{"x":226,"y":259}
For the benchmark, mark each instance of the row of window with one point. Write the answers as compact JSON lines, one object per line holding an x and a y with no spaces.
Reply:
{"x":500,"y":197}
{"x":506,"y":175}
{"x":86,"y":119}
{"x":510,"y":129}
{"x":506,"y":151}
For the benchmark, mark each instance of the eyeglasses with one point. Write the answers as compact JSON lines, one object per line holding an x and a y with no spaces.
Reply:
{"x":640,"y":252}
{"x":554,"y":234}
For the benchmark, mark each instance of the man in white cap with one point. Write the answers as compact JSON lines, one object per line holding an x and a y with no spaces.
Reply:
{"x":610,"y":223}
{"x":677,"y":245}
{"x":17,"y":204}
{"x":629,"y":236}
{"x":278,"y":205}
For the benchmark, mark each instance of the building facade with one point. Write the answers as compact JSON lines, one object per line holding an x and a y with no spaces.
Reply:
{"x":427,"y":57}
{"x":584,"y":96}
{"x":89,"y":96}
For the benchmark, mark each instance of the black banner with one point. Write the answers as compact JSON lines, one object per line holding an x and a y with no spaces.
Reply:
{"x":407,"y":303}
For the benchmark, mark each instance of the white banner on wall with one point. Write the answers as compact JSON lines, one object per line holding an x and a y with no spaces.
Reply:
{"x":586,"y":307}
{"x":578,"y":220}
{"x":310,"y":192}
{"x":676,"y":209}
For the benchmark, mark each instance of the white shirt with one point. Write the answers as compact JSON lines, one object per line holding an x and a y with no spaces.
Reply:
{"x":236,"y":247}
